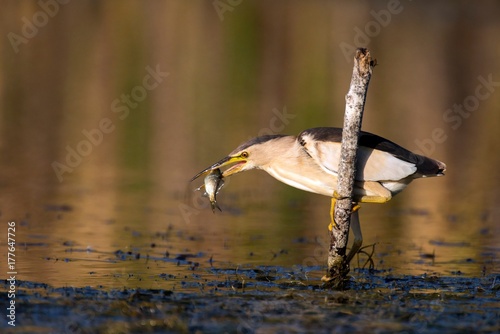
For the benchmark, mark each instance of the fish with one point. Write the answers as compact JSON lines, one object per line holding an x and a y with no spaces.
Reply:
{"x":213,"y":183}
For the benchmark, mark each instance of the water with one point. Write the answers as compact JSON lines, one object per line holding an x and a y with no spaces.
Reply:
{"x":111,"y":238}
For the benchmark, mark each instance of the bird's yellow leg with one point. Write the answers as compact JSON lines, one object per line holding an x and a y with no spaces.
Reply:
{"x":372,"y":192}
{"x":333,"y":224}
{"x":332,"y":213}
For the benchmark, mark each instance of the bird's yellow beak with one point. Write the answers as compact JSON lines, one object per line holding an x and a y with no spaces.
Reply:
{"x":238,"y":160}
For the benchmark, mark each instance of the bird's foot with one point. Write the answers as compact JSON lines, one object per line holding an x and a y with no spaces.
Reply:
{"x":332,"y":213}
{"x":356,"y":206}
{"x":332,"y":225}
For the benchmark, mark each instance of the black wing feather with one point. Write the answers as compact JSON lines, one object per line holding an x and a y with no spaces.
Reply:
{"x":425,"y":166}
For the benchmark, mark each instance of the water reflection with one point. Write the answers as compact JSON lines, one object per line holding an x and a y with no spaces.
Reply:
{"x":132,"y":242}
{"x":123,"y":175}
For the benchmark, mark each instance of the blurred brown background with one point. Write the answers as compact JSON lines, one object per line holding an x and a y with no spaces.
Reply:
{"x":90,"y":118}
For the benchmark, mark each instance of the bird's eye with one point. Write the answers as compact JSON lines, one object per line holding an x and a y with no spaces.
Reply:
{"x":244,"y":154}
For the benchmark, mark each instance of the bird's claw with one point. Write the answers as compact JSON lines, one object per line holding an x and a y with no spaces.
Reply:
{"x":332,"y":213}
{"x":332,"y":225}
{"x":356,"y":206}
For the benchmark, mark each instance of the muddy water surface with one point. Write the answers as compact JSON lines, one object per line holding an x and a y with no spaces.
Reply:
{"x":133,"y":257}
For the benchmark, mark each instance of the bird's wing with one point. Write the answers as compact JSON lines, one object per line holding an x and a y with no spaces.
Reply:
{"x":371,"y":165}
{"x":378,"y":159}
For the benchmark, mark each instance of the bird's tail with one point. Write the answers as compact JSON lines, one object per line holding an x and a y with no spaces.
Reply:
{"x":427,"y":167}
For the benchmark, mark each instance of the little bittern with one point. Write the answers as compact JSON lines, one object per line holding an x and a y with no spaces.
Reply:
{"x":310,"y":162}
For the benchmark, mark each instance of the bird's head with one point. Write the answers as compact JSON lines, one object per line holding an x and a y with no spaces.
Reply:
{"x":255,"y":153}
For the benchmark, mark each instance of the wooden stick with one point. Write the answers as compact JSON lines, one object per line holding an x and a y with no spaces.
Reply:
{"x":338,"y":268}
